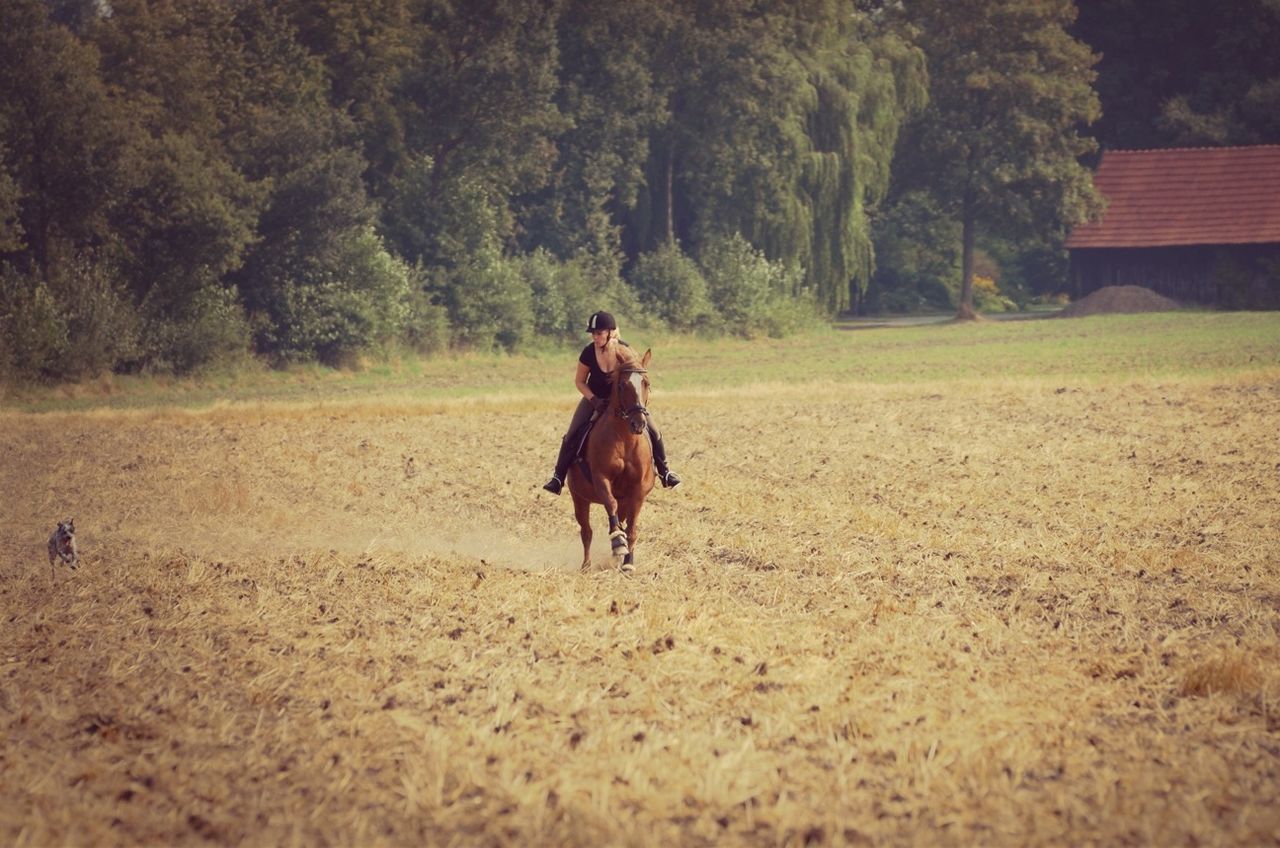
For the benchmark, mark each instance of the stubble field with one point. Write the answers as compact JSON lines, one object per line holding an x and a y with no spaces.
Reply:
{"x":957,"y":603}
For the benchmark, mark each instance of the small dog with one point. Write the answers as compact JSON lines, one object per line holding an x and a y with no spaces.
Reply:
{"x":62,"y":545}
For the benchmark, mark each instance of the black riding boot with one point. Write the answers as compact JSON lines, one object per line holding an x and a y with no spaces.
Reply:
{"x":667,"y":477}
{"x":556,"y":483}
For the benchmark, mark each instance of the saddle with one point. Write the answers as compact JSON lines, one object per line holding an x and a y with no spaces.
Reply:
{"x":580,"y":452}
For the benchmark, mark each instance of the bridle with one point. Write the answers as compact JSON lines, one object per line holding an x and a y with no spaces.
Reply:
{"x":639,"y":406}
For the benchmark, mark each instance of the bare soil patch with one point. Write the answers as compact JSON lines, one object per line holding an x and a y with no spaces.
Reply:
{"x":1115,"y":300}
{"x":1007,"y":613}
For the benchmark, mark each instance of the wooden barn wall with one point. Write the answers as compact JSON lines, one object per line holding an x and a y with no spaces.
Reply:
{"x":1239,"y":277}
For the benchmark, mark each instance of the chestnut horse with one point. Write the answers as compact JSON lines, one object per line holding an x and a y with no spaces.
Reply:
{"x":620,"y":458}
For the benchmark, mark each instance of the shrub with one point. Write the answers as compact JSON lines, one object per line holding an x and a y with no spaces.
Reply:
{"x":210,"y":328}
{"x":917,"y":260}
{"x":550,"y":291}
{"x":564,"y":293}
{"x":75,"y":324}
{"x":33,"y":330}
{"x":332,"y":306}
{"x":752,"y":295}
{"x":489,"y":302}
{"x":427,"y":326}
{"x":670,"y":285}
{"x":103,"y":326}
{"x":594,"y":283}
{"x":987,"y":296}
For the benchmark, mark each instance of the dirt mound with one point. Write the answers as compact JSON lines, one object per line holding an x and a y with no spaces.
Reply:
{"x":1112,"y":300}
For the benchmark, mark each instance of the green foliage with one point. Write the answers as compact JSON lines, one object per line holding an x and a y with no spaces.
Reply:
{"x":63,"y":141}
{"x":783,"y":120}
{"x":352,"y":297}
{"x":608,"y":88}
{"x":77,"y":324}
{"x":548,"y":284}
{"x":427,"y":326}
{"x":367,"y":48}
{"x":866,"y":85}
{"x":1030,"y":268}
{"x":1193,"y":74}
{"x":188,"y":223}
{"x":998,"y":146}
{"x":444,"y":224}
{"x":490,"y":304}
{"x":479,"y":100}
{"x":209,"y":329}
{"x":917,"y":258}
{"x":103,"y":327}
{"x":317,"y":280}
{"x":671,"y":287}
{"x":750,"y":294}
{"x":326,"y":177}
{"x":561,"y":292}
{"x":565,"y":293}
{"x":10,"y":228}
{"x":502,"y":302}
{"x":190,"y":212}
{"x":1247,"y":280}
{"x":33,"y":330}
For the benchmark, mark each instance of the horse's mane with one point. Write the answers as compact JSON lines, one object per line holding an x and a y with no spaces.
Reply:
{"x":627,"y":358}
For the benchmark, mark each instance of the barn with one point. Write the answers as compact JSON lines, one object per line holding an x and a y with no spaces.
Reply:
{"x":1200,"y":225}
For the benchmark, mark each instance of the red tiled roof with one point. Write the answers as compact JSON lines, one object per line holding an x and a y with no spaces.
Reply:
{"x":1204,"y":195}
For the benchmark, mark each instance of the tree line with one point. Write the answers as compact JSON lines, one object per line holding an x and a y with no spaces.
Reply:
{"x":184,"y":181}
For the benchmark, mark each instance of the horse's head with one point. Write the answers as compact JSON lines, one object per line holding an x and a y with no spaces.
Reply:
{"x":631,"y":391}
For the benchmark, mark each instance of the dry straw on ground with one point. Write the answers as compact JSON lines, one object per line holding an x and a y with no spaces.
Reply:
{"x":999,"y":613}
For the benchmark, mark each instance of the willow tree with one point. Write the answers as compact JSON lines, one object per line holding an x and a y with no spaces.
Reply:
{"x":864,"y":85}
{"x":782,"y":126}
{"x":999,"y":144}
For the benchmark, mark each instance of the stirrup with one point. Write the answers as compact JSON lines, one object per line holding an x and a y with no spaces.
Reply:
{"x":670,"y":480}
{"x":555,"y":485}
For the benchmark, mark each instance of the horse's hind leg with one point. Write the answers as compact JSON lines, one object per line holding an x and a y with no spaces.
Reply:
{"x":582,"y":512}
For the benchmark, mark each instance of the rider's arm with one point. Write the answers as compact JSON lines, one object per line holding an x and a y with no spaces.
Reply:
{"x":580,"y":380}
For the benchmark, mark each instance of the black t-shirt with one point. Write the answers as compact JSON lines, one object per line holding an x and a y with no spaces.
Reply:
{"x":600,"y":382}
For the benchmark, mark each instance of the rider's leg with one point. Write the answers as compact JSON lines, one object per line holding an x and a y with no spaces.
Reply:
{"x":569,"y":446}
{"x":666,"y":476}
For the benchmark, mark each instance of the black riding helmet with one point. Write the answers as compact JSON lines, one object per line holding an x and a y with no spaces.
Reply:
{"x":601,"y":321}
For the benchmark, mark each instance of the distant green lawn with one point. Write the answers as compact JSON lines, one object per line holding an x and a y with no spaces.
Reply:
{"x":1171,"y":344}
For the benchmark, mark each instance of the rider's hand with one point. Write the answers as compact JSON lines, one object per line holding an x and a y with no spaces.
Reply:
{"x":600,"y":404}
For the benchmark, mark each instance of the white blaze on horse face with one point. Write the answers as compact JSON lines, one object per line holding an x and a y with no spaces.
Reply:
{"x":636,"y":379}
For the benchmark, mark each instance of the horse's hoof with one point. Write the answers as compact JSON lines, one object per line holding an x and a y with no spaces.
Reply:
{"x":627,"y":568}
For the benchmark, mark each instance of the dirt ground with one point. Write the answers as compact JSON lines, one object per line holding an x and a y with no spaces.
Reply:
{"x":1116,"y":300}
{"x":1005,"y":613}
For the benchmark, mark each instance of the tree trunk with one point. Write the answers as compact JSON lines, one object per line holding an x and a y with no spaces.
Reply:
{"x":670,"y":198}
{"x":967,"y":227}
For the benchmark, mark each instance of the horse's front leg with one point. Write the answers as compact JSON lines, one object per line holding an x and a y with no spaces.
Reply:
{"x":582,"y":512}
{"x":617,"y":536}
{"x":631,"y":515}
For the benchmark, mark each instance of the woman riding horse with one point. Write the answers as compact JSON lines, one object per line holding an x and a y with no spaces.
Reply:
{"x":594,"y":380}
